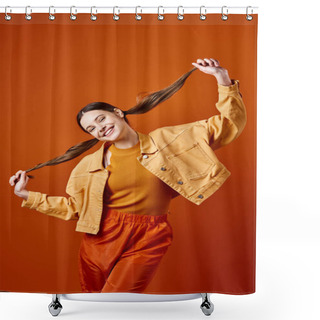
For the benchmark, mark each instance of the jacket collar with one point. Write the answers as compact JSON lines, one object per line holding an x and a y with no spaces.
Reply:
{"x":147,"y":145}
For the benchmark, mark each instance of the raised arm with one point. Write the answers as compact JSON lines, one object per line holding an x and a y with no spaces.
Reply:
{"x":227,"y":126}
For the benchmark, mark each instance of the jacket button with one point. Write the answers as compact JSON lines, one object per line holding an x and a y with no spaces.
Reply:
{"x":200,"y":196}
{"x":145,"y":156}
{"x":180,"y":182}
{"x":163,"y":169}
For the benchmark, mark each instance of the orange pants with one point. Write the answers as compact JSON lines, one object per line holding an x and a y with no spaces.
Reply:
{"x":125,"y":254}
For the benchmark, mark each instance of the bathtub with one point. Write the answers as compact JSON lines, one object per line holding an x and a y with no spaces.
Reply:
{"x":55,"y":306}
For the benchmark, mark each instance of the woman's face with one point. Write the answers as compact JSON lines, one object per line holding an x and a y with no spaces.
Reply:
{"x":104,"y":125}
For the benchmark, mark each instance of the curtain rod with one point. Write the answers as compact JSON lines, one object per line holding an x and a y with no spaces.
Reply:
{"x":137,"y":9}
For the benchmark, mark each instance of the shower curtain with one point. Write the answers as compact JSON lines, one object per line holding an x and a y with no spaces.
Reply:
{"x":52,"y":69}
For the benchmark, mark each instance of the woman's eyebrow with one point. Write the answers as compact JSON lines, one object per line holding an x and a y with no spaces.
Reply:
{"x":95,"y":119}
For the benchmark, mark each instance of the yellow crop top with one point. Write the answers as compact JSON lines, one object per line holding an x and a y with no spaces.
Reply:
{"x":131,"y":187}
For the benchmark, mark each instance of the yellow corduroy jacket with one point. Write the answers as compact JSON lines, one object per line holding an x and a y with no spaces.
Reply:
{"x":182,"y":156}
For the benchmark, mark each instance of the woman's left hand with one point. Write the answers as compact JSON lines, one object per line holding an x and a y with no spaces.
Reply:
{"x":212,"y":66}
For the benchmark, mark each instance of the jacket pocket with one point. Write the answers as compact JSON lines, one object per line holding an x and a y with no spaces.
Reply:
{"x":192,"y":163}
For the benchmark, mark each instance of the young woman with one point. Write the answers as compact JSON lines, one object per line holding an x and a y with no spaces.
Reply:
{"x":121,"y":193}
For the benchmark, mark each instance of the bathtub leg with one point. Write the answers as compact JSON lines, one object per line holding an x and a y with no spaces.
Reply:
{"x":206,"y":305}
{"x":55,"y":306}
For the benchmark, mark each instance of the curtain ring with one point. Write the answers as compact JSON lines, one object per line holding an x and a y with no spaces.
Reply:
{"x":51,"y":16}
{"x":180,"y":16}
{"x":115,"y":16}
{"x":203,"y":16}
{"x":73,"y":16}
{"x":92,"y":16}
{"x":160,"y":17}
{"x":6,"y":16}
{"x":248,"y":17}
{"x":28,"y":16}
{"x":138,"y":17}
{"x":224,"y":16}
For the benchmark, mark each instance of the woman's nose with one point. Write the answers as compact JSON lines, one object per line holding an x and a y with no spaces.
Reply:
{"x":102,"y":127}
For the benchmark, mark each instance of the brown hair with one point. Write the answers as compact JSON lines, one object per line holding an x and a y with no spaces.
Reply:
{"x":144,"y":104}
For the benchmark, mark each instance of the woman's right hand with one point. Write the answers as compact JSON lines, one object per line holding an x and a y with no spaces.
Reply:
{"x":20,"y":180}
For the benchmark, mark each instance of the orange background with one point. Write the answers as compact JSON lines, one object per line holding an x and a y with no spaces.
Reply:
{"x":51,"y":69}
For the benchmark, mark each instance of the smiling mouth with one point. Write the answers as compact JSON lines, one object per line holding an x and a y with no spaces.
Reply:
{"x":108,"y":132}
